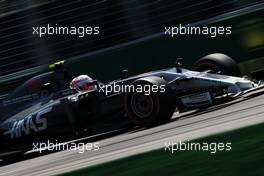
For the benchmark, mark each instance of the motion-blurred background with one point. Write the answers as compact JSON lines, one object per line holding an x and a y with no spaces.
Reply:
{"x":140,"y":22}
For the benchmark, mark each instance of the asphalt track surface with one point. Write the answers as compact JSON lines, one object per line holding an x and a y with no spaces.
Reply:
{"x":236,"y":114}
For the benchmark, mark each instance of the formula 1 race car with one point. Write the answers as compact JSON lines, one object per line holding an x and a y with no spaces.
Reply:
{"x":143,"y":100}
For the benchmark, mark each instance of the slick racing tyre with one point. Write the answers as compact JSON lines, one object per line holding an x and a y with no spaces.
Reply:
{"x":218,"y":63}
{"x":149,"y":109}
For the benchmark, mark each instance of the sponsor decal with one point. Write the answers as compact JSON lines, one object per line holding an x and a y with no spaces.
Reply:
{"x":32,"y":123}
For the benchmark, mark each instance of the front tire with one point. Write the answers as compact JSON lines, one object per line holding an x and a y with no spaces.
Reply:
{"x":149,"y":109}
{"x":218,"y":63}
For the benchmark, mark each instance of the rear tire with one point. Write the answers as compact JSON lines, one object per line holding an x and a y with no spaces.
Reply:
{"x":218,"y":63}
{"x":148,"y":110}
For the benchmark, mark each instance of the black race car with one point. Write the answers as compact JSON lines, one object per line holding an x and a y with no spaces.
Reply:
{"x":45,"y":108}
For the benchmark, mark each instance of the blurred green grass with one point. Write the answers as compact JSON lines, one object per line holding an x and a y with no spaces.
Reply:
{"x":245,"y":158}
{"x":251,"y":65}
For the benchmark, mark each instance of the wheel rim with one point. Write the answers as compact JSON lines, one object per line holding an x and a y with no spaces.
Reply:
{"x":142,"y":105}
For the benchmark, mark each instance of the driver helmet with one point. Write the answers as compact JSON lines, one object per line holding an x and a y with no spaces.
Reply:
{"x":82,"y":83}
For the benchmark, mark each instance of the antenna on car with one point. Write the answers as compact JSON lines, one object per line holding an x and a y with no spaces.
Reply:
{"x":178,"y":65}
{"x":124,"y":73}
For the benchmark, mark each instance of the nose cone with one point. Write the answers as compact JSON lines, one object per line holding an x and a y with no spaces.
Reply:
{"x":245,"y":84}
